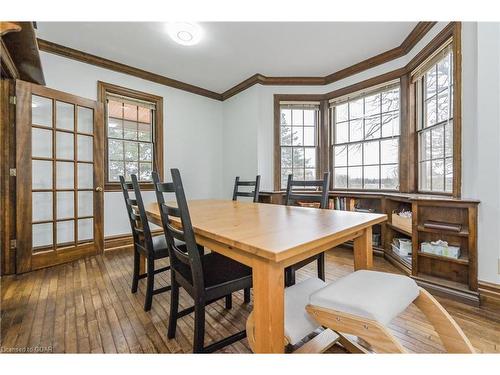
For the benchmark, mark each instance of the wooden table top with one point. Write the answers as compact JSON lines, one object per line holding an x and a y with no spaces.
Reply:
{"x":270,"y":231}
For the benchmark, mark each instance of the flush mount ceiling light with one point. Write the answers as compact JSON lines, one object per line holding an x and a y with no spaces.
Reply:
{"x":184,"y":33}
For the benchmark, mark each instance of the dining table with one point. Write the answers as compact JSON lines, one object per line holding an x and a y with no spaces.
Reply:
{"x":268,"y":238}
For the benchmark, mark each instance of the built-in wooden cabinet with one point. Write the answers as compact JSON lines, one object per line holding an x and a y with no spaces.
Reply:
{"x":455,"y":278}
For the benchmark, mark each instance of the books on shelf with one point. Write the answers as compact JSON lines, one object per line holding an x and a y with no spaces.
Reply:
{"x":340,"y":203}
{"x":442,"y":226}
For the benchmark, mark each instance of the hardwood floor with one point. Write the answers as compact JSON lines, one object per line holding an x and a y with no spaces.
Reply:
{"x":86,"y":307}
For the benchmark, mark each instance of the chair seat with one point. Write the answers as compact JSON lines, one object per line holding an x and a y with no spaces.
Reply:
{"x":298,"y":323}
{"x":160,"y":246}
{"x":373,"y":295}
{"x":219,"y":270}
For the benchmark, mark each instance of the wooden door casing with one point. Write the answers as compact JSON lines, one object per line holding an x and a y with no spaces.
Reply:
{"x":26,"y":259}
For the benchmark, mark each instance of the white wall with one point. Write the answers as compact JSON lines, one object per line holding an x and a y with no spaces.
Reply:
{"x":192,"y":131}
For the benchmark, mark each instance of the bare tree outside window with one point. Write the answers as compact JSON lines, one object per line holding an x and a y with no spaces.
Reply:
{"x":435,"y":126}
{"x":298,"y":141}
{"x":365,"y":133}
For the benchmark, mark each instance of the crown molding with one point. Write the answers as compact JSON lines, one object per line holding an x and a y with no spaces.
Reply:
{"x":408,"y":43}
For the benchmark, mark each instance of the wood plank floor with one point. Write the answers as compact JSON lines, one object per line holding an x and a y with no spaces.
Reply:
{"x":86,"y":307}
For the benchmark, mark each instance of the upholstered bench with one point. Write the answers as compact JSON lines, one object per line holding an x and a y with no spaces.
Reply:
{"x":362,"y":304}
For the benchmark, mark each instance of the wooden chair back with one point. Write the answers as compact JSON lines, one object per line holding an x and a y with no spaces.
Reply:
{"x":297,"y":195}
{"x":252,"y":194}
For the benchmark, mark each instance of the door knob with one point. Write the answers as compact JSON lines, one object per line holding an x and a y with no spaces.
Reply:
{"x":98,"y":189}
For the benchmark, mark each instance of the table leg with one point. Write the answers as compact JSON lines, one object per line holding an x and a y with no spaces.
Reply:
{"x":363,"y":250}
{"x":268,"y":312}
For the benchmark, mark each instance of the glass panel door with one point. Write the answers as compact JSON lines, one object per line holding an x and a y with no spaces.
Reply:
{"x":62,"y":203}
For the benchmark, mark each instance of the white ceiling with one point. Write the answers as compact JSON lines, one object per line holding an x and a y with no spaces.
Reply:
{"x":232,"y":51}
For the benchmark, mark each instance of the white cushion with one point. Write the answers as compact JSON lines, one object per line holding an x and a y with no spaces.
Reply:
{"x":298,"y":323}
{"x":373,"y":295}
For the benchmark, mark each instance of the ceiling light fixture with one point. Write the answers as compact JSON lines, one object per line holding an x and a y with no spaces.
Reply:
{"x":184,"y":33}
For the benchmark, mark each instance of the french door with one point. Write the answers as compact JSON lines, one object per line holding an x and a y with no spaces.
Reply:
{"x":59,"y":169}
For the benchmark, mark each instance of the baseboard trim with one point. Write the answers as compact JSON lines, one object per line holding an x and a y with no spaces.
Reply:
{"x":489,"y":291}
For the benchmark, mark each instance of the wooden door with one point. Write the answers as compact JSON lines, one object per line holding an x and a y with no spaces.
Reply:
{"x":59,"y":167}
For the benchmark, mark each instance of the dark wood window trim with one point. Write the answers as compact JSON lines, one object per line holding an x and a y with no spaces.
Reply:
{"x":102,"y":90}
{"x":408,"y":138}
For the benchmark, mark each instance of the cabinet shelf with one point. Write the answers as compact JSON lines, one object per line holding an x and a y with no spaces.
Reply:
{"x":461,"y":260}
{"x":462,"y":233}
{"x":397,"y":229}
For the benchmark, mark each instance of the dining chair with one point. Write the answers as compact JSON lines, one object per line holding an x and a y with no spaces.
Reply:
{"x":252,"y":194}
{"x":206,"y":278}
{"x":361,"y":304}
{"x":293,"y":197}
{"x":151,"y":247}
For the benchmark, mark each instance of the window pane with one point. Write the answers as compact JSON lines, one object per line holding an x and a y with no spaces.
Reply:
{"x":340,"y":156}
{"x":65,"y":116}
{"x":85,"y":229}
{"x":342,"y":132}
{"x":42,"y":206}
{"x":286,"y":135}
{"x":356,"y":108}
{"x":42,"y":235}
{"x":310,"y":157}
{"x":430,"y":112}
{"x":131,"y":151}
{"x":144,"y":132}
{"x":286,"y":157}
{"x":298,"y":158}
{"x":86,"y":203}
{"x":85,"y":176}
{"x":437,"y":175}
{"x":115,"y":128}
{"x":85,"y":120}
{"x":286,"y":117}
{"x":340,"y":177}
{"x":443,"y":73}
{"x":390,"y":124}
{"x":430,"y":83}
{"x":65,"y":232}
{"x":425,"y":145}
{"x":297,"y":136}
{"x":85,"y":148}
{"x":448,"y":169}
{"x":448,"y":140}
{"x":355,"y":154}
{"x":65,"y":175}
{"x":298,"y":174}
{"x":443,"y":111}
{"x":341,"y":112}
{"x":284,"y":176}
{"x":372,"y":127}
{"x":356,"y":130}
{"x":130,"y":169}
{"x":355,"y":177}
{"x":144,"y":115}
{"x":309,"y":116}
{"x":130,"y":130}
{"x":437,"y":138}
{"x":310,"y":174}
{"x":64,"y":145}
{"x":115,"y":109}
{"x":116,"y":168}
{"x":41,"y":174}
{"x":115,"y":149}
{"x":145,"y":171}
{"x":130,"y":112}
{"x":390,"y":100}
{"x":297,"y":117}
{"x":389,"y":149}
{"x":309,"y":136}
{"x":41,"y":111}
{"x":371,"y":178}
{"x":41,"y":143}
{"x":371,"y":153}
{"x":145,"y":151}
{"x":425,"y":176}
{"x":389,"y":177}
{"x":372,"y":105}
{"x":65,"y":204}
